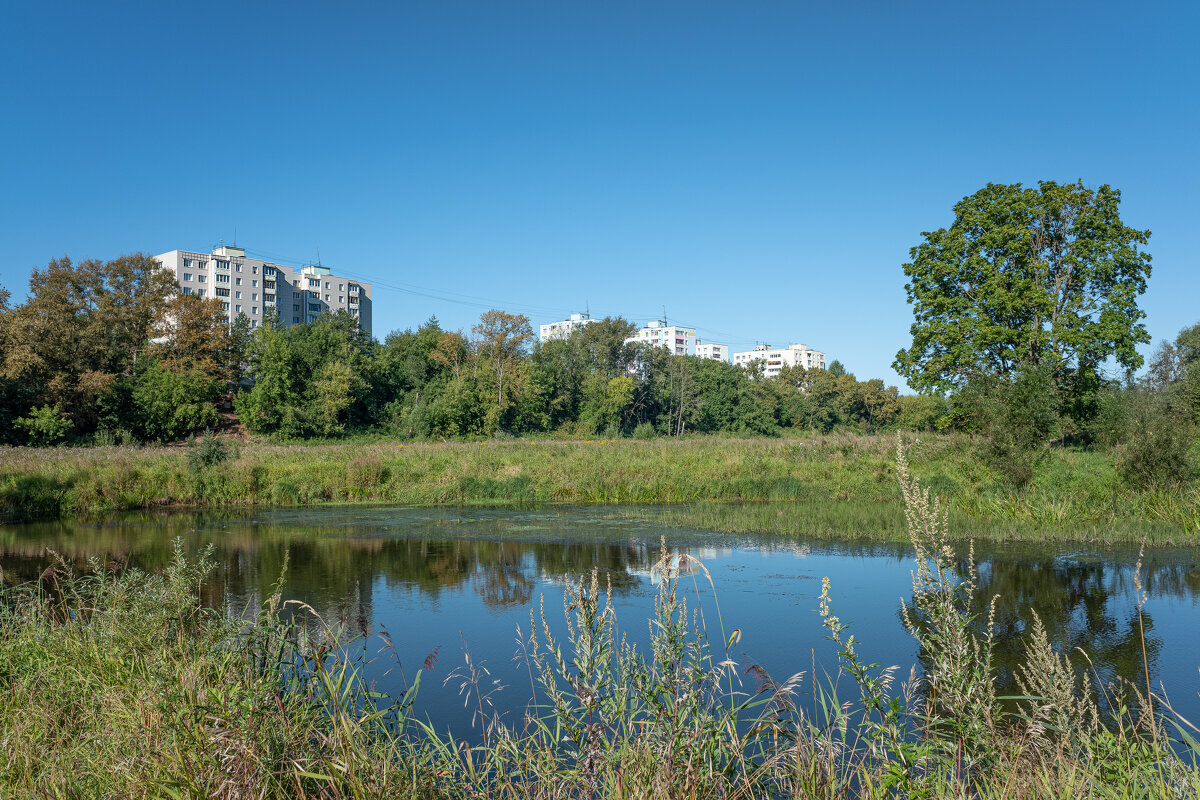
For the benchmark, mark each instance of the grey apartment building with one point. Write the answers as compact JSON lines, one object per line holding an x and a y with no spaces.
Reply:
{"x":253,"y":287}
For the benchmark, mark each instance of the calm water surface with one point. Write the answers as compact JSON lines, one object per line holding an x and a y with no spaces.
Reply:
{"x":455,"y":578}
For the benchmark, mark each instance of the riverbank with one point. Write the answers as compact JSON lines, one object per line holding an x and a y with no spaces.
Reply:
{"x":848,"y":479}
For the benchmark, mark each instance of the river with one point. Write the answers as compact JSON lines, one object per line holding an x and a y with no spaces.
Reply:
{"x":448,"y":580}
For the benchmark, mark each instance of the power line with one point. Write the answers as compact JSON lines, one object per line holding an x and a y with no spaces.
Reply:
{"x":476,"y":301}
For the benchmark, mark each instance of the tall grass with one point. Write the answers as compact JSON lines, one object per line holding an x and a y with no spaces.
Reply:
{"x":1073,"y":489}
{"x":120,"y":683}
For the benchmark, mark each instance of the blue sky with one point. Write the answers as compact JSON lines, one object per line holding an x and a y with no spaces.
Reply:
{"x":759,"y":169}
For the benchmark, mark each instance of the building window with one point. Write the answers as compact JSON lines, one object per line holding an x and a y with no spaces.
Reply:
{"x":222,"y":265}
{"x":254,"y":270}
{"x":296,"y":320}
{"x":199,"y":279}
{"x":238,"y":295}
{"x":222,"y":278}
{"x":238,"y":281}
{"x":225,"y":306}
{"x":295,"y":306}
{"x":326,"y":284}
{"x":254,"y":310}
{"x":340,"y":299}
{"x":253,"y":323}
{"x":219,"y":292}
{"x":187,"y":262}
{"x":200,"y":292}
{"x":237,"y":267}
{"x":326,"y":298}
{"x":254,"y":295}
{"x":187,"y":276}
{"x":187,"y":290}
{"x":339,"y":287}
{"x":254,"y":283}
{"x":238,"y":308}
{"x":296,"y":283}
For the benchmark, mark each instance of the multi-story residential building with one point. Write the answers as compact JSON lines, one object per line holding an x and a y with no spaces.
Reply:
{"x":564,"y":328}
{"x":712,"y":350}
{"x":677,"y":339}
{"x":253,"y":287}
{"x":775,"y":359}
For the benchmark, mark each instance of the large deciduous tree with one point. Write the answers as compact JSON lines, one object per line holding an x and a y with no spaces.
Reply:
{"x":502,"y":339}
{"x":1026,"y":277}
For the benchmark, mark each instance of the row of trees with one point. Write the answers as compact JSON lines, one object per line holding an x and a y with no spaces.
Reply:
{"x":327,"y":377}
{"x":110,"y":352}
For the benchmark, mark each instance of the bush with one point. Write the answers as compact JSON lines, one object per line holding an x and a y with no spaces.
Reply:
{"x":208,"y":452}
{"x":644,"y":431}
{"x":172,"y":404}
{"x":45,"y":426}
{"x":1158,"y":454}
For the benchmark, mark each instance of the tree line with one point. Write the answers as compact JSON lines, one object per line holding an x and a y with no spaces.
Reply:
{"x":110,"y":352}
{"x":1023,"y":307}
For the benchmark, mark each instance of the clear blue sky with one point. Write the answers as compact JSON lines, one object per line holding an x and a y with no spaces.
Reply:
{"x":760,"y":169}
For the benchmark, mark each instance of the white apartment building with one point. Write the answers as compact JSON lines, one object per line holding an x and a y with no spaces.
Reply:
{"x":775,"y":359}
{"x":564,"y":328}
{"x":679,"y":340}
{"x":253,"y":287}
{"x":712,"y":350}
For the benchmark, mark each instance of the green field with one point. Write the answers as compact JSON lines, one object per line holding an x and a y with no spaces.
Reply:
{"x":834,"y":483}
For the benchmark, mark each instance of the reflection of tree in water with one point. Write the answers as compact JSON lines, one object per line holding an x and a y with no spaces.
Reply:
{"x":1086,"y":608}
{"x":332,"y":569}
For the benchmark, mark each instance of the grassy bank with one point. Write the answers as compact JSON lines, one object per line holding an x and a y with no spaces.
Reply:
{"x":1070,"y":489}
{"x":125,"y":685}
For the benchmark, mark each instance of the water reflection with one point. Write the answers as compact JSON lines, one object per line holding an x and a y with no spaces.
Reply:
{"x":426,"y":574}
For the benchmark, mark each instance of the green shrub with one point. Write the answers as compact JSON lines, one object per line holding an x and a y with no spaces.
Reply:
{"x":207,"y":452}
{"x":1158,"y":454}
{"x":644,"y":431}
{"x":45,"y":426}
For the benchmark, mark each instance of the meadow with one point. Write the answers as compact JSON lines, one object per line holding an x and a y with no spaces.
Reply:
{"x":785,"y":485}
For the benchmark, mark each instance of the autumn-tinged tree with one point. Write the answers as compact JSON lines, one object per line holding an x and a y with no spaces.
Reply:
{"x":193,"y":333}
{"x":501,"y":339}
{"x":82,"y":326}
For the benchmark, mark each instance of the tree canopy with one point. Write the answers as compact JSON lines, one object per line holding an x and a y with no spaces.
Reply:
{"x":1026,"y":277}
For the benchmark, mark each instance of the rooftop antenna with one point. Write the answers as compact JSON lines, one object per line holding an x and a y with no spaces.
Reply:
{"x":664,"y":315}
{"x":318,"y":256}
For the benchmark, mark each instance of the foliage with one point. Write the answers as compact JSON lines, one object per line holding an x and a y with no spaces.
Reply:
{"x":1047,"y":276}
{"x":207,"y":452}
{"x":81,"y":327}
{"x":46,"y":425}
{"x":171,"y":403}
{"x":1159,"y":450}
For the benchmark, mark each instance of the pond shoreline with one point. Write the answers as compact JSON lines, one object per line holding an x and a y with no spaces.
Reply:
{"x":838,"y":480}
